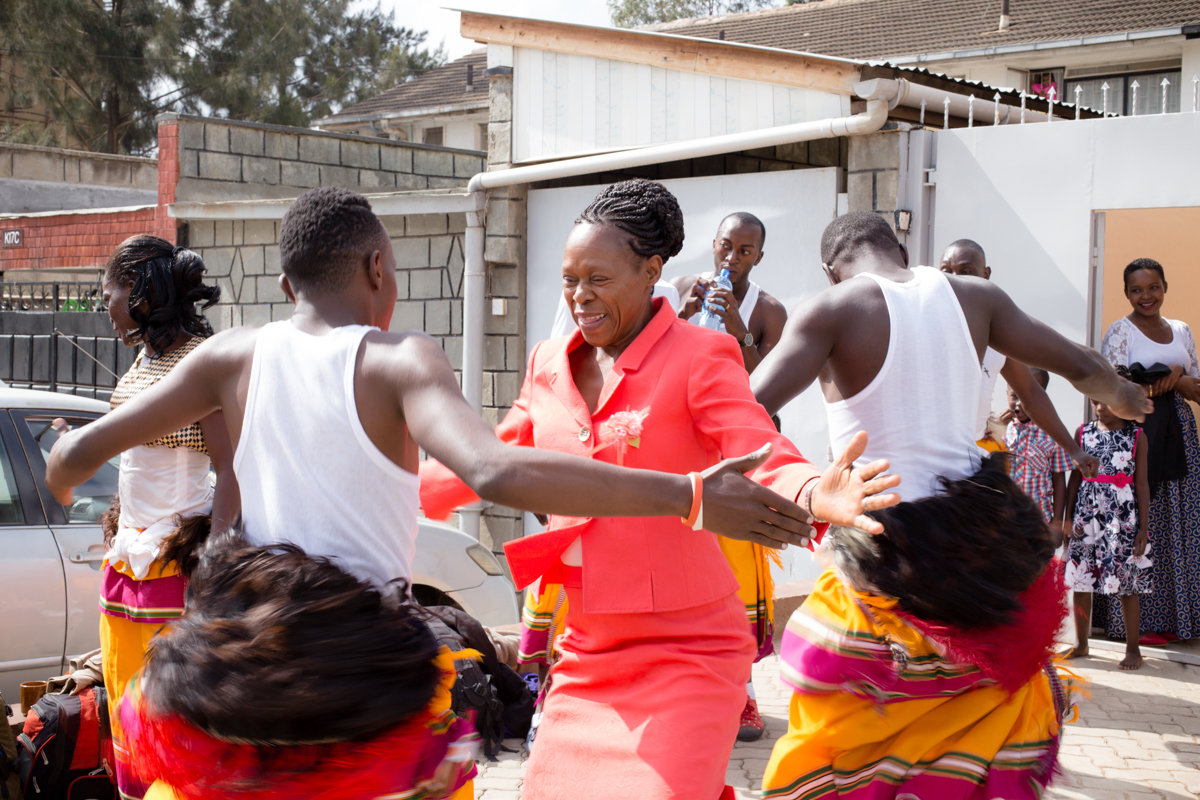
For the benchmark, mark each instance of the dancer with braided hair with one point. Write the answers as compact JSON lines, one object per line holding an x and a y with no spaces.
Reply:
{"x":152,"y":289}
{"x":920,"y":662}
{"x":645,"y":699}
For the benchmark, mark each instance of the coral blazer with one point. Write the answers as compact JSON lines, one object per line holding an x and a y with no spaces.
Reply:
{"x":701,"y":410}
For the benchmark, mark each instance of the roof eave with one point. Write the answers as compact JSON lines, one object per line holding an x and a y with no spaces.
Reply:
{"x":1028,"y":47}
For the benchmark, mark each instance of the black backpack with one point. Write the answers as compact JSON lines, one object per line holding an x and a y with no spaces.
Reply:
{"x":10,"y":780}
{"x":499,"y":696}
{"x":65,"y":750}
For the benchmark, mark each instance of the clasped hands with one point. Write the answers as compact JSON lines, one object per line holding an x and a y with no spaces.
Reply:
{"x":738,"y":508}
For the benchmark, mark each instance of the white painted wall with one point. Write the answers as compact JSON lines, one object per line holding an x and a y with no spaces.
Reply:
{"x":1027,"y":193}
{"x":570,"y":104}
{"x":795,"y":206}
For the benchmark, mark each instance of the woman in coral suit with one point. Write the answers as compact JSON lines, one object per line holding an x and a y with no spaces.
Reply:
{"x":646,"y":698}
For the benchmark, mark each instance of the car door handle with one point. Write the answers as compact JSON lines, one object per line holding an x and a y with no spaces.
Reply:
{"x":86,"y":557}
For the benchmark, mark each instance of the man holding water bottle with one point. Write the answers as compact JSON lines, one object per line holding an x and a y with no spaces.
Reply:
{"x":747,"y":313}
{"x":743,"y":310}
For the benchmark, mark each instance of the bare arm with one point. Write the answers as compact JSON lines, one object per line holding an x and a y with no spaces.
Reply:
{"x":774,"y":317}
{"x":1039,"y":408}
{"x":227,"y":497}
{"x":1059,"y":483}
{"x":805,"y":344}
{"x":191,"y":391}
{"x":1020,"y":337}
{"x":1141,"y":488}
{"x":1073,"y":484}
{"x":441,"y":421}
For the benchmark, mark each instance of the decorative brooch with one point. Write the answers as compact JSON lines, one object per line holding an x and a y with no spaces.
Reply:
{"x":625,"y":430}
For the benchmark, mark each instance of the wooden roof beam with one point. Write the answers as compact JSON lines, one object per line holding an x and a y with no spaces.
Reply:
{"x":703,"y":56}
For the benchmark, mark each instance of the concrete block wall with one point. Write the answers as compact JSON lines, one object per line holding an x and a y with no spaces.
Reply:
{"x":242,"y":257}
{"x":34,"y":179}
{"x":222,"y":160}
{"x":873,"y":173}
{"x":504,"y":252}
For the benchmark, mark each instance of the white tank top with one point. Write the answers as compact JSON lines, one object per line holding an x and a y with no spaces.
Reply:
{"x":920,"y":409}
{"x":993,"y":362}
{"x":308,"y":473}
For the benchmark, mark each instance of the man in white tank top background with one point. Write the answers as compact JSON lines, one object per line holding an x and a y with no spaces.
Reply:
{"x":756,"y":320}
{"x":737,"y":247}
{"x":965,"y":257}
{"x":959,"y":577}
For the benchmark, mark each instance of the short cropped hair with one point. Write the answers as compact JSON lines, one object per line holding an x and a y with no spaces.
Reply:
{"x":855,"y":230}
{"x":970,"y":245}
{"x":1144,"y":263}
{"x":325,"y":236}
{"x":1041,"y":375}
{"x":646,"y":210}
{"x":746,"y":218}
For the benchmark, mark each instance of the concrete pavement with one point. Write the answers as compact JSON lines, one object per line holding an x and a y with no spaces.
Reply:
{"x":1137,"y":737}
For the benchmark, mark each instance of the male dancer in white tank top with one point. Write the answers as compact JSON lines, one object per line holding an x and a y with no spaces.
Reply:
{"x":958,"y":582}
{"x":965,"y":257}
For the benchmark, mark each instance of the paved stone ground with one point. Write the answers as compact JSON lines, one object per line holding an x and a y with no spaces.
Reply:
{"x":1138,"y":737}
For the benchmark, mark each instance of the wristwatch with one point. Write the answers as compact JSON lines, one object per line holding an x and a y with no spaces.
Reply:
{"x":748,"y":339}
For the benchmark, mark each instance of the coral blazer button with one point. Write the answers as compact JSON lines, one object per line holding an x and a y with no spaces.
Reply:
{"x":585,"y":434}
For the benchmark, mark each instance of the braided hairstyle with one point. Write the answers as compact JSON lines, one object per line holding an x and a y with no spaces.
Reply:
{"x":170,"y":280}
{"x":645,"y":210}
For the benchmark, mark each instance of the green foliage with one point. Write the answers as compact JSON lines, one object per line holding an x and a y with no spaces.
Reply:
{"x":633,"y":13}
{"x":88,"y":63}
{"x":104,"y":68}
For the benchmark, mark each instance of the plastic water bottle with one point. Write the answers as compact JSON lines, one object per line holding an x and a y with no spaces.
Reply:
{"x":710,"y":315}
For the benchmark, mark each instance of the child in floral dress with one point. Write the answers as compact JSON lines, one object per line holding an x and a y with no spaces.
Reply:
{"x":1108,"y":520}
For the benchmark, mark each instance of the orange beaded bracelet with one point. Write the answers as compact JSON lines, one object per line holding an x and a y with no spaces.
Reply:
{"x":695,"y":518}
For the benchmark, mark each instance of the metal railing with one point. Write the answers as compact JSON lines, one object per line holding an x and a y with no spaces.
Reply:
{"x":86,"y":366}
{"x":51,"y":296}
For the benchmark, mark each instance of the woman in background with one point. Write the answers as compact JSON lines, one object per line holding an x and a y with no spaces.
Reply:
{"x":1140,"y":341}
{"x":166,"y":499}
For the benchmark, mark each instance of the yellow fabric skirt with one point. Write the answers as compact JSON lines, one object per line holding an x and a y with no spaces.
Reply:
{"x":865,"y":725}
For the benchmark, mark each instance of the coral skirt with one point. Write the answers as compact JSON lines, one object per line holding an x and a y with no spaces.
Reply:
{"x":643,"y":705}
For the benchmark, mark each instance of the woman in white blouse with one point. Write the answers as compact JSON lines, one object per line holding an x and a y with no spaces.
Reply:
{"x":1145,"y":341}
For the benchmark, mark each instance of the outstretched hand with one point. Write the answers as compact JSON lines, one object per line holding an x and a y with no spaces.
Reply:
{"x":738,"y":508}
{"x":845,"y":492}
{"x":1131,"y":401}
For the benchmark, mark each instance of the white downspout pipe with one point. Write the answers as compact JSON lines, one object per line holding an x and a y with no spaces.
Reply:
{"x":869,"y":121}
{"x":475,"y":270}
{"x":474,"y":292}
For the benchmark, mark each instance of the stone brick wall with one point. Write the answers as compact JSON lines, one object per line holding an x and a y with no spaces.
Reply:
{"x":222,"y":160}
{"x":34,"y":179}
{"x":873,"y":173}
{"x":504,"y":252}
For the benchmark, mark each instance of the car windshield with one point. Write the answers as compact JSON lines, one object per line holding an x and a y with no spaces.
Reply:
{"x":92,"y":497}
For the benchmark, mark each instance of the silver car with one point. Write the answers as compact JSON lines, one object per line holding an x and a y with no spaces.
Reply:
{"x":50,"y":555}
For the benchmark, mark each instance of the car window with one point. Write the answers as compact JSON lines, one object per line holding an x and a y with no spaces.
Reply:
{"x":92,"y":498}
{"x":10,"y":500}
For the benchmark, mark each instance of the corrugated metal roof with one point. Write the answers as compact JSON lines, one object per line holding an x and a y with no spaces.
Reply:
{"x":882,"y":29}
{"x":438,"y":88}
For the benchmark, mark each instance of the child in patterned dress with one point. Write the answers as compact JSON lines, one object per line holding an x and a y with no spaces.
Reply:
{"x":1108,"y":519}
